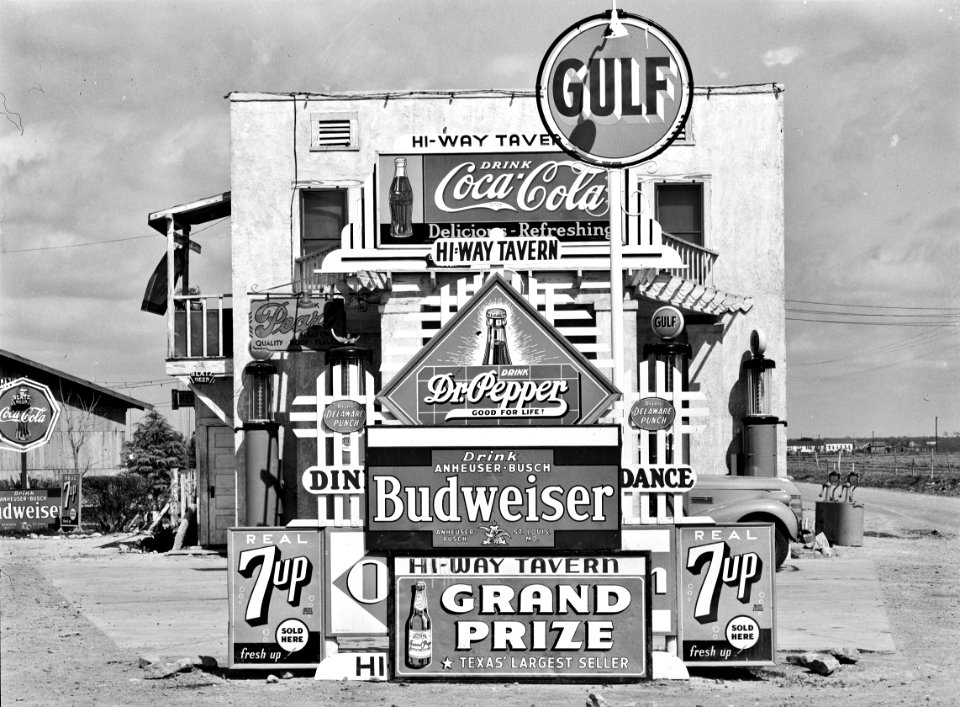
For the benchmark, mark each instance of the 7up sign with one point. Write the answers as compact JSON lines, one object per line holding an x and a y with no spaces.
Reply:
{"x":614,"y":91}
{"x":276,"y":608}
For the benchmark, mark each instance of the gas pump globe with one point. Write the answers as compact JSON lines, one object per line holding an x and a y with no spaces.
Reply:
{"x":759,"y":424}
{"x":759,"y":374}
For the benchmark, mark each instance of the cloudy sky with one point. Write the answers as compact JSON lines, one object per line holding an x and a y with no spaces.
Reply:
{"x":112,"y":110}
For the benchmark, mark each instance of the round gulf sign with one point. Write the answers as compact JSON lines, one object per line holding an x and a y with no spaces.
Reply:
{"x":667,"y":322}
{"x":616,"y":93}
{"x":28,"y":415}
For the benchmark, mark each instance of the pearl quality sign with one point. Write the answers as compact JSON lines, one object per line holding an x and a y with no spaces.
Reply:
{"x":614,"y":93}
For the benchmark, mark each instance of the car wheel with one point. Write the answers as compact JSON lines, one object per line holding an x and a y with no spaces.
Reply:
{"x":781,"y":546}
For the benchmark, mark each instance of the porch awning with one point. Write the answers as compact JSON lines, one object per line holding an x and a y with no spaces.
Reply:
{"x":688,"y":295}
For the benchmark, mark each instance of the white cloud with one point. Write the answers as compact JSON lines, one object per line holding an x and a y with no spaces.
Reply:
{"x":719,"y":73}
{"x":894,"y":140}
{"x":781,"y":57}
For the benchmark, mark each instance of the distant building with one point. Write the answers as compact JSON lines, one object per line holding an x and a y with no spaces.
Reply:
{"x":837,"y":445}
{"x":95,"y":417}
{"x":877,"y":448}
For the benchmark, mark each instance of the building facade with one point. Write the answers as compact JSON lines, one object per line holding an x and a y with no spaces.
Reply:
{"x":89,"y":436}
{"x":311,"y":179}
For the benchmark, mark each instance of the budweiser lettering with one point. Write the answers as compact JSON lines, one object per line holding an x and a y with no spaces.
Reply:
{"x":453,"y":503}
{"x":522,"y":186}
{"x":504,"y":394}
{"x":31,"y":414}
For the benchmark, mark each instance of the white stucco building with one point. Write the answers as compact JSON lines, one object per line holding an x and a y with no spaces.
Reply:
{"x":310,"y":174}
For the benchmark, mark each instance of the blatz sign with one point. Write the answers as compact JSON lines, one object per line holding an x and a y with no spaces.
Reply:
{"x":498,"y":362}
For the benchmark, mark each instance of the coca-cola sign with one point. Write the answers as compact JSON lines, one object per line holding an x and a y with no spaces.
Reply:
{"x":498,"y":362}
{"x":28,"y":415}
{"x":527,"y":194}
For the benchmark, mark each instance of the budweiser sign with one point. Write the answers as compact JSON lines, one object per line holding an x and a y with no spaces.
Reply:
{"x":519,"y":370}
{"x":28,"y":414}
{"x":524,"y":195}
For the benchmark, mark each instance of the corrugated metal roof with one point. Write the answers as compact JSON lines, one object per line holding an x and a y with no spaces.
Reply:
{"x":686,"y":294}
{"x":125,"y":400}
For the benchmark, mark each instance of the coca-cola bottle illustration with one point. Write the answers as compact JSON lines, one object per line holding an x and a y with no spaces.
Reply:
{"x":419,"y":630}
{"x":496,"y":352}
{"x":401,"y":201}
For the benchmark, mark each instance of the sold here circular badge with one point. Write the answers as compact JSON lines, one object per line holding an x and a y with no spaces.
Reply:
{"x":614,"y":92}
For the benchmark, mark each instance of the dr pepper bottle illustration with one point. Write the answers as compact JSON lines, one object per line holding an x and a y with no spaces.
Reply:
{"x":496,"y":352}
{"x":401,"y":201}
{"x":419,"y":630}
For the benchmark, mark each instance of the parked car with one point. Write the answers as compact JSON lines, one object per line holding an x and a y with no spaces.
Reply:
{"x":745,"y":499}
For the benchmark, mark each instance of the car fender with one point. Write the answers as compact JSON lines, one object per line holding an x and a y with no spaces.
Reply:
{"x":734,"y":512}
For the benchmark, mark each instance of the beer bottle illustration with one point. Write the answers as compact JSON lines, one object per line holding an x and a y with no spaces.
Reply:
{"x":419,"y":630}
{"x":401,"y":201}
{"x":496,"y":352}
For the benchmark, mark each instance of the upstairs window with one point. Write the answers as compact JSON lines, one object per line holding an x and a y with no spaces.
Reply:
{"x":323,"y":214}
{"x":680,"y":210}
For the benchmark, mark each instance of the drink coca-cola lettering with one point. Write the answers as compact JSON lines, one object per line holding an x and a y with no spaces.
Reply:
{"x":553,"y":185}
{"x":419,"y":630}
{"x":31,"y":414}
{"x":401,"y":201}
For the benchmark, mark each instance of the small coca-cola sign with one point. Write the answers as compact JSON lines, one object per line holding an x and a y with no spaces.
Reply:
{"x":344,"y":416}
{"x":28,"y":415}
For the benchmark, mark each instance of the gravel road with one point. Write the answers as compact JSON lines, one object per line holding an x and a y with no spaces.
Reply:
{"x":50,"y":650}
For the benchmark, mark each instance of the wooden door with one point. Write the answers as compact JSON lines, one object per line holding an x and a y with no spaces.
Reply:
{"x":218,"y":484}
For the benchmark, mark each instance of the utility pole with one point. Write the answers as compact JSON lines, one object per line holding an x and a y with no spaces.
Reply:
{"x":936,"y":435}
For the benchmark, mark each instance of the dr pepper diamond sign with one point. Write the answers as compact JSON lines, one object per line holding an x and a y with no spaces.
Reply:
{"x":614,"y":93}
{"x":498,"y":362}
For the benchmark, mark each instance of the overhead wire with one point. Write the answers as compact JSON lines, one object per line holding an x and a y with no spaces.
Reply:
{"x":114,"y":240}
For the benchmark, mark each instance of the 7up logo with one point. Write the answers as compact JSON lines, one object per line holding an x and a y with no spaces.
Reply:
{"x":719,"y":568}
{"x":290,"y":575}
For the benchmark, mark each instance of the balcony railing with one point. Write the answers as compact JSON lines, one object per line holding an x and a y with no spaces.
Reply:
{"x":699,"y":260}
{"x":202,"y":327}
{"x":310,"y":281}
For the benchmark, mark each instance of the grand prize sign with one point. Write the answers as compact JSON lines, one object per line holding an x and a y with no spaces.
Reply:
{"x":614,"y":91}
{"x":522,"y":617}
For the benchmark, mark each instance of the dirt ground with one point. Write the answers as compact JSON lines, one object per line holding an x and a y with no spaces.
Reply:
{"x":50,"y":652}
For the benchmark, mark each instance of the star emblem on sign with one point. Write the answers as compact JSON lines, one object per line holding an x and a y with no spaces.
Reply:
{"x":447,"y":664}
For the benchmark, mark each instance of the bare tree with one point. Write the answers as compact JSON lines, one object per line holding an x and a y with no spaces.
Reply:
{"x":79,"y":419}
